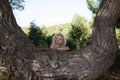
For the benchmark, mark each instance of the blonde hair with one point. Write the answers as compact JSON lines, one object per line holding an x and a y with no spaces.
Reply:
{"x":59,"y":35}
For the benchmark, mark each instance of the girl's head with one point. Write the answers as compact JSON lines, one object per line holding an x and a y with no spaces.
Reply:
{"x":59,"y":39}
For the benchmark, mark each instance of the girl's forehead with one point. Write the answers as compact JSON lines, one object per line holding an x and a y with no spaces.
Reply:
{"x":59,"y":36}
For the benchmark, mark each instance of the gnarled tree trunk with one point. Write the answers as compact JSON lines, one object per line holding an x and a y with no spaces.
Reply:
{"x":24,"y":61}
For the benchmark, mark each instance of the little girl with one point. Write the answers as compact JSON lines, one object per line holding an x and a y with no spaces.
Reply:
{"x":59,"y":43}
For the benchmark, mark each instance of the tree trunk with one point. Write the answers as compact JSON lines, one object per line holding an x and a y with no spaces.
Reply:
{"x":24,"y":61}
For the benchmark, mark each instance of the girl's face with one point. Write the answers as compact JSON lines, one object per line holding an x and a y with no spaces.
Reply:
{"x":59,"y":40}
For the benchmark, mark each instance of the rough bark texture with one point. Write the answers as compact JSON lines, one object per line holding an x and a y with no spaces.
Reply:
{"x":24,"y":61}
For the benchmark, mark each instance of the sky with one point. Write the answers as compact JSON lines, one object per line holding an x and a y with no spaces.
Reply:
{"x":51,"y":12}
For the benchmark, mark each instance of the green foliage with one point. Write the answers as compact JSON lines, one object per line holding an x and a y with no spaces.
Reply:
{"x":49,"y":40}
{"x":118,"y":24}
{"x":36,"y":35}
{"x":48,"y":31}
{"x":117,"y":60}
{"x":118,"y":35}
{"x":71,"y":45}
{"x":75,"y":35}
{"x":61,"y":28}
{"x":79,"y":33}
{"x":17,"y":4}
{"x":93,"y":5}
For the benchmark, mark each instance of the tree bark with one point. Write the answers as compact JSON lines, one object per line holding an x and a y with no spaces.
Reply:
{"x":24,"y":61}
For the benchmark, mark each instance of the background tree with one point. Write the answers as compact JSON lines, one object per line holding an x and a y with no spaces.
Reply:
{"x":78,"y":33}
{"x":36,"y":35}
{"x":93,"y":5}
{"x":17,"y":4}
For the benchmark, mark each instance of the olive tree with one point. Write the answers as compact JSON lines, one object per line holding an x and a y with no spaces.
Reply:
{"x":24,"y":61}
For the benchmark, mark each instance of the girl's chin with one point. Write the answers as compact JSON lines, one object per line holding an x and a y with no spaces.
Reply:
{"x":58,"y":43}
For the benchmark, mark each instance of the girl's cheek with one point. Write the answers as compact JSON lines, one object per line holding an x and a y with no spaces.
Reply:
{"x":61,"y":42}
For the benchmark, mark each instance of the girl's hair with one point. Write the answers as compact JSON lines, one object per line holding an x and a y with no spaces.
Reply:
{"x":59,"y":35}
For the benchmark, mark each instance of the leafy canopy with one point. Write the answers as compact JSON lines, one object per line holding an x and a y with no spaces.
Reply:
{"x":17,"y":4}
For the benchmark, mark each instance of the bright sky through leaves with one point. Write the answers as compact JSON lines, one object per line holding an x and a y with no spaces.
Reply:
{"x":51,"y":12}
